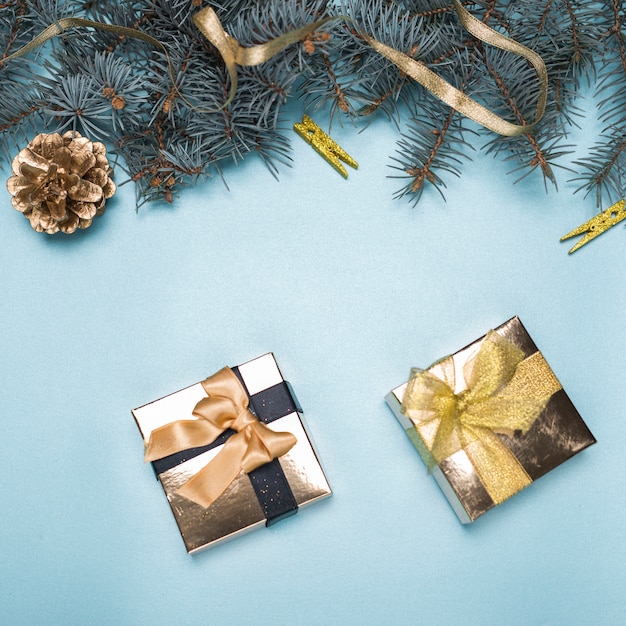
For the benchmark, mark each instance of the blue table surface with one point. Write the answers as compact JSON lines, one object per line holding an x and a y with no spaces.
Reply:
{"x":349,"y":288}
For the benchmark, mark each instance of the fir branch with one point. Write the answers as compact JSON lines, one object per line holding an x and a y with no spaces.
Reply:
{"x":567,"y":52}
{"x":159,"y":160}
{"x":174,"y":131}
{"x":433,"y":144}
{"x":603,"y":170}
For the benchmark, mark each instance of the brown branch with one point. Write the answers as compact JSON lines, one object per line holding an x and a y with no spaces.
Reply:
{"x":342,"y":101}
{"x":575,"y":41}
{"x":439,"y":11}
{"x":544,"y":16}
{"x":22,"y":8}
{"x":557,"y":95}
{"x":616,"y":31}
{"x":377,"y":102}
{"x":488,"y":11}
{"x":121,"y":38}
{"x":604,"y":173}
{"x":424,"y":172}
{"x":159,"y":171}
{"x":15,"y":120}
{"x":539,"y":158}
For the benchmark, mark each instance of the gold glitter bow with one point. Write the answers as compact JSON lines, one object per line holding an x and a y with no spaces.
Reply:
{"x":501,"y":392}
{"x":225,"y":407}
{"x":234,"y":54}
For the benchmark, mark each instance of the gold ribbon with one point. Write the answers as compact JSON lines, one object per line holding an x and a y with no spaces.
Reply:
{"x":56,"y":28}
{"x":226,"y":406}
{"x":503,"y":392}
{"x":234,"y":54}
{"x":457,"y":99}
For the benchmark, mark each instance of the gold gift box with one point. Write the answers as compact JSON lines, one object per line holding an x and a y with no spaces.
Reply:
{"x":557,"y":434}
{"x":238,"y":510}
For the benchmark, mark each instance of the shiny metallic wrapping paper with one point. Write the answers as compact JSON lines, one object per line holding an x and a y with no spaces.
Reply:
{"x":557,"y":434}
{"x":238,"y":510}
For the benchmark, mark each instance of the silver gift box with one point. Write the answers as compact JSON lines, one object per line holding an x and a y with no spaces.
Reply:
{"x":557,"y":434}
{"x":237,"y":510}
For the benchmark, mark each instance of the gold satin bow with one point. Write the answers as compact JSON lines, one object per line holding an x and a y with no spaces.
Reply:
{"x":226,"y":406}
{"x":503,"y":393}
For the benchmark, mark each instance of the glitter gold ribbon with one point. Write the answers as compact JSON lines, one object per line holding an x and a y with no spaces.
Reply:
{"x":503,"y":392}
{"x":225,"y":407}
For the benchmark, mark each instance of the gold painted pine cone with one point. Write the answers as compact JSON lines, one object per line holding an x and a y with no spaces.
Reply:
{"x":61,"y":182}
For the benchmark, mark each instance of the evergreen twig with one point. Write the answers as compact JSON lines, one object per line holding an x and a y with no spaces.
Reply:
{"x":173,"y":133}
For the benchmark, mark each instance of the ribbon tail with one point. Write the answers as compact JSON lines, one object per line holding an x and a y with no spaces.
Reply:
{"x":205,"y":487}
{"x":233,"y":54}
{"x":177,"y":436}
{"x":499,"y":471}
{"x":65,"y":23}
{"x":455,"y":98}
{"x":443,"y":90}
{"x":210,"y":26}
{"x":260,"y":53}
{"x":494,"y":38}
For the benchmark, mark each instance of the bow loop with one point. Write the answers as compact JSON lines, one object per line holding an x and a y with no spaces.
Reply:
{"x":492,"y":367}
{"x":225,"y":384}
{"x":218,"y":411}
{"x":264,"y":445}
{"x":226,"y":401}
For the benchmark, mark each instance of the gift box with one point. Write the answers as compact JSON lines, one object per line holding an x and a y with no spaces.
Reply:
{"x":232,"y":453}
{"x":489,"y":419}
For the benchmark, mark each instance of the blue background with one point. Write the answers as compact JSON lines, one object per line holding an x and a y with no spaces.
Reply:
{"x":349,"y":288}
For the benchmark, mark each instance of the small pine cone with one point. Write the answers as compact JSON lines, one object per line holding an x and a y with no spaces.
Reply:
{"x":60,"y":183}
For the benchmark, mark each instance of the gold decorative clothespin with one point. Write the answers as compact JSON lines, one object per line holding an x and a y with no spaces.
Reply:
{"x":598,"y":224}
{"x":329,"y":149}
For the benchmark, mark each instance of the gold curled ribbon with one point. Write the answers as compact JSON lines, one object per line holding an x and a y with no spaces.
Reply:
{"x":504,"y":392}
{"x":65,"y":23}
{"x":225,"y":407}
{"x":234,"y":54}
{"x":455,"y":98}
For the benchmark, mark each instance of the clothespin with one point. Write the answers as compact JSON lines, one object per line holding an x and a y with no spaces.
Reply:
{"x":598,"y":224}
{"x":324,"y":145}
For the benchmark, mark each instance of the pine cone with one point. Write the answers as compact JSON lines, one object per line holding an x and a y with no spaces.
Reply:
{"x":60,"y":183}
